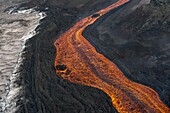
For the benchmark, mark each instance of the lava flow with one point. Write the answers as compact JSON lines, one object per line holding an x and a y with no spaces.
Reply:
{"x":79,"y":62}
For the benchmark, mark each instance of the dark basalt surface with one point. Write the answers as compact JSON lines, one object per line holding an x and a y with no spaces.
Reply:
{"x":46,"y":92}
{"x":138,"y":41}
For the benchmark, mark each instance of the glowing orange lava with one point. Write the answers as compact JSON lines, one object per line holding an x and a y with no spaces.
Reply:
{"x":79,"y":62}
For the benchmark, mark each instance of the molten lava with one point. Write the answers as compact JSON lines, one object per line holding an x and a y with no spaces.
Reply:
{"x":79,"y":62}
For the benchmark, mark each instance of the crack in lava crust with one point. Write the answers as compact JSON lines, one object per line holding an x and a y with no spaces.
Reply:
{"x":78,"y":61}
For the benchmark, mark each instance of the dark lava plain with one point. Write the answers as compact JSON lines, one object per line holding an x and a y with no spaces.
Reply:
{"x":138,"y":41}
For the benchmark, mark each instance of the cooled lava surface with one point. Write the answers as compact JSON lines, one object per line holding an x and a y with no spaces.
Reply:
{"x":79,"y":62}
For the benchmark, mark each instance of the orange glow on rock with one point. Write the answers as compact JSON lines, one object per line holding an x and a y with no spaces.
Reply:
{"x":79,"y":62}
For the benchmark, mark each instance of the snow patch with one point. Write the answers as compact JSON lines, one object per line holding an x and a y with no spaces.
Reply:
{"x":13,"y":90}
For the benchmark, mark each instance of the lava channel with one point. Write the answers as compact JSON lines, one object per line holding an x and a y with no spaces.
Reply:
{"x":79,"y":62}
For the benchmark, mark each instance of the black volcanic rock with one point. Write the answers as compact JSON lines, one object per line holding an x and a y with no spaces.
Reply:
{"x":138,"y":42}
{"x":125,"y":36}
{"x":61,"y":67}
{"x":44,"y":91}
{"x":95,"y":15}
{"x":88,"y":5}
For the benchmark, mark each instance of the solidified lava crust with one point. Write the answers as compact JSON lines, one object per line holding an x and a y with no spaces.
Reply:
{"x":90,"y":68}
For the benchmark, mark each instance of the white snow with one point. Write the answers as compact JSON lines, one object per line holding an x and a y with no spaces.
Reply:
{"x":12,"y":44}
